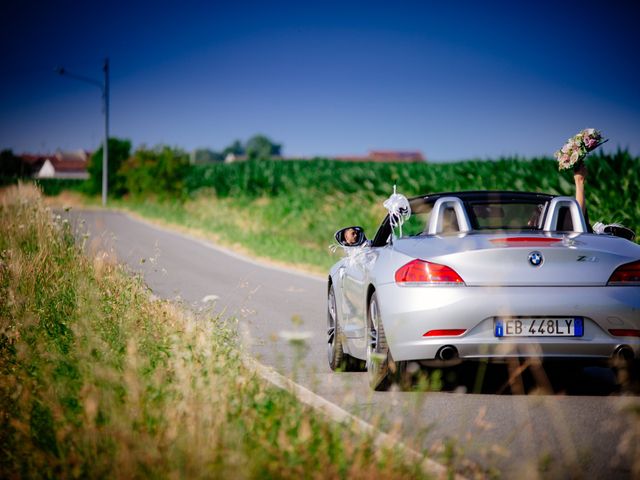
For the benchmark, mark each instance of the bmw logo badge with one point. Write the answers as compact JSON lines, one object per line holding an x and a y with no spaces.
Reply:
{"x":535,"y":259}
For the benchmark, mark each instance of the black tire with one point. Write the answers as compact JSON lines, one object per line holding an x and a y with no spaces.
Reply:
{"x":338,"y":359}
{"x":382,"y":370}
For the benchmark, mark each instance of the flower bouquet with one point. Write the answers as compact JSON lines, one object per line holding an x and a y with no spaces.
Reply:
{"x":577,"y":147}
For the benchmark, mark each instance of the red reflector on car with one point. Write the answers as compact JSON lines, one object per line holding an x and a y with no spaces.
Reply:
{"x":421,"y":271}
{"x":525,"y":241}
{"x":628,"y":274}
{"x":451,"y":332}
{"x":624,"y":332}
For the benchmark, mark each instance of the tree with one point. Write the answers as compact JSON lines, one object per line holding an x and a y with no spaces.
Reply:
{"x":12,"y":166}
{"x":260,"y":147}
{"x":236,"y":148}
{"x":204,"y":155}
{"x":119,"y":151}
{"x":159,"y":171}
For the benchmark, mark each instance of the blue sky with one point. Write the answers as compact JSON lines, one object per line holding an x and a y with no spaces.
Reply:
{"x":456,"y":80}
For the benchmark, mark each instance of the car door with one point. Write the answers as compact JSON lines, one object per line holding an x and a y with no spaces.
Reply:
{"x":354,"y":285}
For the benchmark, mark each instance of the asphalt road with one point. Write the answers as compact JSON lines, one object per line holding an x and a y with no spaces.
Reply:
{"x":584,"y":429}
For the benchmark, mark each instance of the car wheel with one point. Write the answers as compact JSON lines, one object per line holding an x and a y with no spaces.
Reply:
{"x":334,"y":344}
{"x":382,"y":370}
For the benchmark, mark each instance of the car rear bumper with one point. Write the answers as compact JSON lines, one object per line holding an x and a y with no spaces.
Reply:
{"x":409,"y":312}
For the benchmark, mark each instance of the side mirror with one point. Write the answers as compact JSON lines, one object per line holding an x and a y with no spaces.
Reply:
{"x":350,"y":236}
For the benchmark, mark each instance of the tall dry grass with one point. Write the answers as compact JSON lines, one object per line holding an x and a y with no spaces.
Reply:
{"x":98,"y":380}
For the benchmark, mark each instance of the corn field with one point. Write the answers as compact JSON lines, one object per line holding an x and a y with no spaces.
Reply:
{"x":612,"y":191}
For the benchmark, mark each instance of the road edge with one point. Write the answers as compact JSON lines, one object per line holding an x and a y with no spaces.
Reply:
{"x":219,"y":248}
{"x":303,"y":394}
{"x":340,"y":415}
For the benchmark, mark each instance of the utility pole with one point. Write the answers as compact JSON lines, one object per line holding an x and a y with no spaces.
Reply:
{"x":105,"y":148}
{"x":104,"y":86}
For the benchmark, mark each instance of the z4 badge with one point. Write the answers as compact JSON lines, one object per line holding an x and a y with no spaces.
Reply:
{"x":584,"y":258}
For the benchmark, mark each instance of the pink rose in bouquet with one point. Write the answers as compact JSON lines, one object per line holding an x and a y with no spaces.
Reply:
{"x":590,"y":143}
{"x":591,"y":137}
{"x":577,"y":148}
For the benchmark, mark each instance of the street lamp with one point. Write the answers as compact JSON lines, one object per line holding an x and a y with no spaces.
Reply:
{"x":104,"y":86}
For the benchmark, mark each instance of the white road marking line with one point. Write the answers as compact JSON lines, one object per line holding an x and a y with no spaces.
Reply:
{"x":293,"y":289}
{"x":339,"y":415}
{"x":209,"y":298}
{"x":295,"y":336}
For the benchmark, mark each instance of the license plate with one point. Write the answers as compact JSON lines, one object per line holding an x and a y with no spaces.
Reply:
{"x":539,"y":327}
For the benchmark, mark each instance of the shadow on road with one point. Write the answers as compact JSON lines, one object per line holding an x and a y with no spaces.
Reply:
{"x":522,"y":378}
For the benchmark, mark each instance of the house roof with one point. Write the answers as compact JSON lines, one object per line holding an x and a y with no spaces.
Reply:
{"x":75,"y":161}
{"x":65,"y":165}
{"x":58,"y":165}
{"x":395,"y":155}
{"x":31,"y":159}
{"x":385,"y":156}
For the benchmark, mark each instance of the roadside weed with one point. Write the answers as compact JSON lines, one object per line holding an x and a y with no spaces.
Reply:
{"x":99,"y":381}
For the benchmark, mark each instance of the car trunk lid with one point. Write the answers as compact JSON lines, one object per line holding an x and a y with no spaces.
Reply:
{"x":525,"y":259}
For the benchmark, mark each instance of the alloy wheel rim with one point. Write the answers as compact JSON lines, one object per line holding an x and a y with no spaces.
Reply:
{"x":372,"y":345}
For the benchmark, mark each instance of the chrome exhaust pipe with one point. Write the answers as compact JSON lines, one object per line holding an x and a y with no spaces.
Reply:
{"x":446,"y":353}
{"x":623,"y":353}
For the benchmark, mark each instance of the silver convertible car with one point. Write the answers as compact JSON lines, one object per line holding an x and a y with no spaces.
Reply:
{"x":487,"y":275}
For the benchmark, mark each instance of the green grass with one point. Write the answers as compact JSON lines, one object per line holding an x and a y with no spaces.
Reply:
{"x":99,"y":381}
{"x":49,"y":186}
{"x":291,"y":230}
{"x":289,"y":210}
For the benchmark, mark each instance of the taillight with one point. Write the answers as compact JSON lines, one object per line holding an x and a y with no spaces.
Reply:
{"x":624,"y":332}
{"x":422,"y":272}
{"x":450,"y":332}
{"x":628,"y":274}
{"x":525,"y":241}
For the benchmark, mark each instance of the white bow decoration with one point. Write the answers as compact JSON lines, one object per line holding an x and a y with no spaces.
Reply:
{"x":399,"y":209}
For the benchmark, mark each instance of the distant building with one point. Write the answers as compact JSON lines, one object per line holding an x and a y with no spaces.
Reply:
{"x":33,"y":163}
{"x":69,"y":165}
{"x":386,"y":156}
{"x":232,"y":157}
{"x":398,"y":156}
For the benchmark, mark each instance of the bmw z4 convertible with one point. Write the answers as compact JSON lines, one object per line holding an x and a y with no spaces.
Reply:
{"x":483,"y":276}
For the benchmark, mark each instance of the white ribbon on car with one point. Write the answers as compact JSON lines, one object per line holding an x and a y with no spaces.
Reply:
{"x":361,"y":255}
{"x":399,"y":209}
{"x":352,"y":255}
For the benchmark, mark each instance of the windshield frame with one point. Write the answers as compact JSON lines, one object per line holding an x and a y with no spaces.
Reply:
{"x":469,"y":198}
